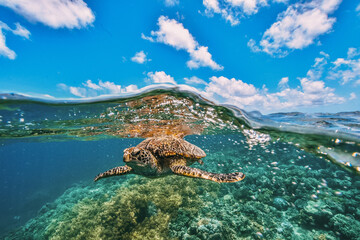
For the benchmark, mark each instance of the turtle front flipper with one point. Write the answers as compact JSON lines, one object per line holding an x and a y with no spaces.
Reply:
{"x":216,"y":177}
{"x":114,"y":172}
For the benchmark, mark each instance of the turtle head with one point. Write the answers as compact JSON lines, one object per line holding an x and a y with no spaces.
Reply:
{"x":139,"y":159}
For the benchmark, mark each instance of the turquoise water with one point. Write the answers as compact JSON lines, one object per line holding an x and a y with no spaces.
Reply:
{"x":302,"y":171}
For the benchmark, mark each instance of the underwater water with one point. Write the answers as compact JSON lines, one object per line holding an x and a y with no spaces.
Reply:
{"x":302,"y":171}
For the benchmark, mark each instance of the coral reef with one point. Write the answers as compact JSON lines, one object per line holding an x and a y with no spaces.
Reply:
{"x":139,"y":209}
{"x":287,"y":194}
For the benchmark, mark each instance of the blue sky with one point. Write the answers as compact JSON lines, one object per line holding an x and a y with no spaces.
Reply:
{"x":267,"y":55}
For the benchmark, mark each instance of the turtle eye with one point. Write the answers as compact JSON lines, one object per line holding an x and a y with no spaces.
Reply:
{"x":135,"y":152}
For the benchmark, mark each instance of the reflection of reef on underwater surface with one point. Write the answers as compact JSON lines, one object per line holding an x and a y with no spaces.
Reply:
{"x":164,"y":113}
{"x":287,"y":194}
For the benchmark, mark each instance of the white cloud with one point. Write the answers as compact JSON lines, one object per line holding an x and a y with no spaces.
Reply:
{"x":107,"y":86}
{"x":253,"y":46}
{"x":233,"y":10}
{"x":283,"y":83}
{"x":131,"y":88}
{"x":248,"y":6}
{"x":150,"y":39}
{"x":244,"y":95}
{"x":112,"y":87}
{"x":352,"y":96}
{"x":230,"y":87}
{"x":171,"y":3}
{"x":202,"y":58}
{"x":4,"y":50}
{"x":358,"y":8}
{"x":62,"y":86}
{"x":78,"y":91}
{"x":317,"y":69}
{"x":313,"y":87}
{"x":174,"y":34}
{"x":344,"y":70}
{"x":212,"y":5}
{"x":160,"y":77}
{"x":353,"y":52}
{"x":92,"y":85}
{"x":230,"y":17}
{"x":315,"y":93}
{"x":140,"y":57}
{"x":53,"y":13}
{"x":48,"y":96}
{"x":310,"y":92}
{"x":347,"y":70}
{"x":19,"y":30}
{"x":91,"y":89}
{"x":194,"y":80}
{"x":298,"y":27}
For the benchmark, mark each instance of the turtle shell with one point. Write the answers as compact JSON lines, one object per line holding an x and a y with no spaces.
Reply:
{"x":168,"y":146}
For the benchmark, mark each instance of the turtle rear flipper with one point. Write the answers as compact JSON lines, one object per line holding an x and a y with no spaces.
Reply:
{"x":216,"y":177}
{"x":114,"y":172}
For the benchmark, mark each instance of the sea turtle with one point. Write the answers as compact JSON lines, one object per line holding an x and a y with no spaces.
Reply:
{"x":159,"y":156}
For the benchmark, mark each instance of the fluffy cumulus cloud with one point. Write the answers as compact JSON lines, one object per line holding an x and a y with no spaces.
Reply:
{"x":297,"y":27}
{"x":194,"y":80}
{"x":353,"y":52}
{"x":91,"y":89}
{"x":347,"y":69}
{"x":174,"y":34}
{"x":171,"y":3}
{"x":245,"y":95}
{"x":160,"y":77}
{"x":4,"y":50}
{"x":140,"y":57}
{"x":283,"y":83}
{"x":213,"y":6}
{"x":53,"y":13}
{"x":19,"y":30}
{"x":311,"y":91}
{"x":344,"y":69}
{"x":233,"y":10}
{"x":320,"y":67}
{"x":92,"y":85}
{"x":248,"y":6}
{"x":228,"y":88}
{"x":78,"y":91}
